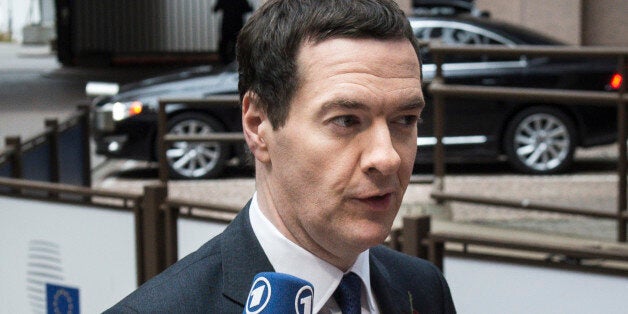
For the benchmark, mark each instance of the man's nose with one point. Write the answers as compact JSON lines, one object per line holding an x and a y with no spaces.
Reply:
{"x":379,"y":154}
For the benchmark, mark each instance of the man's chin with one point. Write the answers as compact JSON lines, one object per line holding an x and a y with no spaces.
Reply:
{"x":373,"y":238}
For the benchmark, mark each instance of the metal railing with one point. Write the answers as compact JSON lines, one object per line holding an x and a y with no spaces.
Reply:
{"x":99,"y":198}
{"x":161,"y":227}
{"x":417,"y":239}
{"x":441,"y":91}
{"x":13,"y":156}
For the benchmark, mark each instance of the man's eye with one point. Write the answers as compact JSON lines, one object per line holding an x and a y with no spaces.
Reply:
{"x":409,"y":120}
{"x":346,"y":121}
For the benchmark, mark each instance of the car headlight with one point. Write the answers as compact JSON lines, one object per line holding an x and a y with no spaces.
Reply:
{"x":123,"y":110}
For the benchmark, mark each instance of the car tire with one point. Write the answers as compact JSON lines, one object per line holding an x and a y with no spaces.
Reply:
{"x":197,"y":160}
{"x":540,"y":140}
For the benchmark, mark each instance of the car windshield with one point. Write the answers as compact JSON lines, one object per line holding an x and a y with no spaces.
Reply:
{"x":467,"y":30}
{"x":522,"y":35}
{"x":188,"y":73}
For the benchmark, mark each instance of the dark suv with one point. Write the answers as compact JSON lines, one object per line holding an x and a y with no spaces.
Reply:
{"x":538,"y":137}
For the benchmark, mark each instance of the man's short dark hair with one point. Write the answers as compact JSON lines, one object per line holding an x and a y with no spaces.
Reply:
{"x":269,"y":43}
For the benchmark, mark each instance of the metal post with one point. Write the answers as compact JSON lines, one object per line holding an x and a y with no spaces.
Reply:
{"x":153,"y":241}
{"x":621,"y":167}
{"x":161,"y":145}
{"x":436,"y":253}
{"x":85,"y":143}
{"x":395,"y":236}
{"x":172,"y":246}
{"x":139,"y":240}
{"x":15,"y":158}
{"x":439,"y":126}
{"x":415,"y":231}
{"x":52,"y":129}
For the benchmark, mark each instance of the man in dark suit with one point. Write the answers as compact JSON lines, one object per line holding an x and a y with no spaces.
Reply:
{"x":331,"y":96}
{"x":233,"y":12}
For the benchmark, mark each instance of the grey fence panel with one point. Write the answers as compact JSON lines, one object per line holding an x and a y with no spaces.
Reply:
{"x":36,"y":163}
{"x":36,"y":166}
{"x":5,"y":169}
{"x":5,"y":172}
{"x":72,"y":156}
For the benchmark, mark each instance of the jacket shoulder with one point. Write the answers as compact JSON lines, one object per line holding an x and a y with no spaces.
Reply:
{"x":421,"y":278}
{"x":185,"y":286}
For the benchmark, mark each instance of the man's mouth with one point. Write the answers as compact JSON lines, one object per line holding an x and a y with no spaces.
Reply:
{"x":378,"y":202}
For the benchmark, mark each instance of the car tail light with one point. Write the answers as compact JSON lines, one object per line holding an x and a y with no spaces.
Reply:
{"x":135,"y":108}
{"x":616,"y":81}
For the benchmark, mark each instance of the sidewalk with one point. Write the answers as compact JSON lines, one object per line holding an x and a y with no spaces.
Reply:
{"x":595,"y":191}
{"x":15,"y":56}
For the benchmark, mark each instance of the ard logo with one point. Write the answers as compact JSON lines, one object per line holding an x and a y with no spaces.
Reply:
{"x":303,"y":301}
{"x":279,"y":293}
{"x":259,"y":296}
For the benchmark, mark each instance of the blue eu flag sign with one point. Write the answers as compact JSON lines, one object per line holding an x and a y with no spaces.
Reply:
{"x":61,"y":299}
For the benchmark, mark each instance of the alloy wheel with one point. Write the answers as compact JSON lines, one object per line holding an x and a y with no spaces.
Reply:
{"x":542,"y":142}
{"x":197,"y":159}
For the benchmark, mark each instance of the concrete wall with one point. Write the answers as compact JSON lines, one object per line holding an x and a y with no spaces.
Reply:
{"x":605,"y":23}
{"x":558,"y":19}
{"x":577,"y":22}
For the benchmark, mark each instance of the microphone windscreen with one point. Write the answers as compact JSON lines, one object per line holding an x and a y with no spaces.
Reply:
{"x":279,"y":293}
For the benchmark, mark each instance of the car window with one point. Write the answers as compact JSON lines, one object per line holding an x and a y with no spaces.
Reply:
{"x":456,"y":33}
{"x":450,"y":35}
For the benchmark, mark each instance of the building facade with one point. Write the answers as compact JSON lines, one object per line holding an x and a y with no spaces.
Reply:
{"x":576,"y":22}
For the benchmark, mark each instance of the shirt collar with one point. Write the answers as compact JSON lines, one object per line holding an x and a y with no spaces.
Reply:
{"x":289,"y":258}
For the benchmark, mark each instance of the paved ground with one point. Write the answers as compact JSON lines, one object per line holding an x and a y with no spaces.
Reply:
{"x":27,"y":94}
{"x":593,"y":185}
{"x":34,"y":86}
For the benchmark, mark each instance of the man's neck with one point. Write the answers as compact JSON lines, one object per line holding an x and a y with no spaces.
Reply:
{"x":268,"y":207}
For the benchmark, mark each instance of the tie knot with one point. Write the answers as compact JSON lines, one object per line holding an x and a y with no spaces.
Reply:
{"x":348,"y":294}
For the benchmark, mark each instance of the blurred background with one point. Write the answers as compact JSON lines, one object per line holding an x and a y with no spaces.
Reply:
{"x":146,"y":50}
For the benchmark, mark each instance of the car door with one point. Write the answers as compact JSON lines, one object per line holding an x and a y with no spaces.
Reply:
{"x":470,"y":124}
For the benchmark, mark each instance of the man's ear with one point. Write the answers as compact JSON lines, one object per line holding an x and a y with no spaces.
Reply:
{"x":255,"y":125}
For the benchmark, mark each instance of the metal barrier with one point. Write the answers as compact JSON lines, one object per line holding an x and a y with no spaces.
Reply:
{"x":434,"y":246}
{"x":87,"y":196}
{"x":414,"y":238}
{"x":161,"y":222}
{"x":440,"y":91}
{"x":60,"y":154}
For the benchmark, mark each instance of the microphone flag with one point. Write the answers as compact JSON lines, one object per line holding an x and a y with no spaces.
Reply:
{"x":279,"y":293}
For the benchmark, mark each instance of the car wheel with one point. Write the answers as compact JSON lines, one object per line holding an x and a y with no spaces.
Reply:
{"x":540,"y":140}
{"x":196,"y":160}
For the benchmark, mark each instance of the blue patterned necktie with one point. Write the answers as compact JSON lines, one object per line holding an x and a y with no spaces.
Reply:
{"x":347,"y":295}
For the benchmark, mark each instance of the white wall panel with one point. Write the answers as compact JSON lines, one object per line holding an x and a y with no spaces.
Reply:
{"x":89,"y":249}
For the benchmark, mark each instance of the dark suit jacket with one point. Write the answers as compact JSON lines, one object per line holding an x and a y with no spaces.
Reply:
{"x":217,"y":278}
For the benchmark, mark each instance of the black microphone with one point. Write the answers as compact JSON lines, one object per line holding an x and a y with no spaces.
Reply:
{"x":279,"y":293}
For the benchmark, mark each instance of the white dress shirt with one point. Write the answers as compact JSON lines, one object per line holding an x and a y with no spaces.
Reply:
{"x":289,"y":258}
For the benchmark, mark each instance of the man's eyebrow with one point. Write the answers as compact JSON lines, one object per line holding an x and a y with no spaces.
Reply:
{"x":356,"y":105}
{"x":349,"y":104}
{"x":417,"y":104}
{"x":343,"y":104}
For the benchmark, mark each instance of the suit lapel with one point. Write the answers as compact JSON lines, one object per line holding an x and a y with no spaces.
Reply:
{"x":390,"y":298}
{"x":242,"y":258}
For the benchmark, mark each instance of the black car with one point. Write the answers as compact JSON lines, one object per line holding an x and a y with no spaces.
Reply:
{"x":538,"y":137}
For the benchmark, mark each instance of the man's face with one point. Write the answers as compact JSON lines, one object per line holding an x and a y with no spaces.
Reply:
{"x":340,"y":165}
